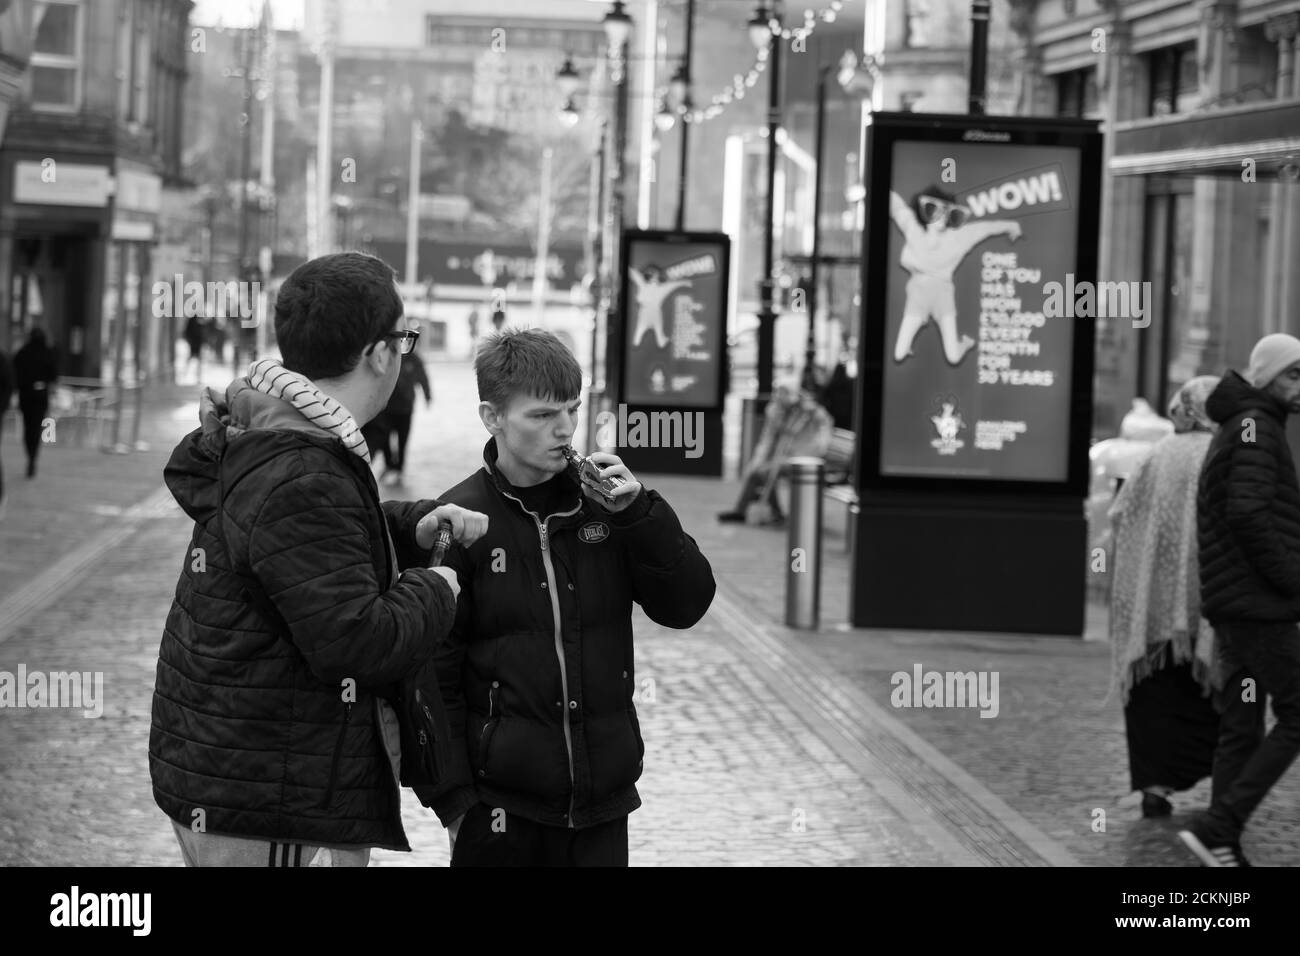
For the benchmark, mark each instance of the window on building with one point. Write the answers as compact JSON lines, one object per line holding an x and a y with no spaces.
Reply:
{"x":1175,"y":87}
{"x":143,"y":73}
{"x":918,"y":24}
{"x":1076,"y":94}
{"x":55,"y":73}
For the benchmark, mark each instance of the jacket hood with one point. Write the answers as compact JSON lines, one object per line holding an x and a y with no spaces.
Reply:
{"x":1235,"y":395}
{"x":193,"y":473}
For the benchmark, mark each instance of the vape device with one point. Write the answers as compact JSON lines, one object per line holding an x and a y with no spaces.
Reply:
{"x":588,"y":473}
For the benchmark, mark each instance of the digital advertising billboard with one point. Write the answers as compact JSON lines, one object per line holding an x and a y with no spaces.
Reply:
{"x":977,"y":348}
{"x":675,"y":303}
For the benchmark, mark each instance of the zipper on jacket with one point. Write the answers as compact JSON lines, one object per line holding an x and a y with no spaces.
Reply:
{"x":559,"y":634}
{"x":338,"y":753}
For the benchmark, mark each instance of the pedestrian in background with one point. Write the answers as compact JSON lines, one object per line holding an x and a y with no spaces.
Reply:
{"x":1248,"y":516}
{"x":6,"y":391}
{"x":194,"y":335}
{"x":397,"y":415}
{"x":36,"y":370}
{"x":794,"y":425}
{"x":1161,"y":647}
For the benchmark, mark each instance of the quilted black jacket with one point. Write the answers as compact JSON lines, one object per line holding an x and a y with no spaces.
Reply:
{"x":1248,"y":510}
{"x":537,"y":674}
{"x":275,"y":736}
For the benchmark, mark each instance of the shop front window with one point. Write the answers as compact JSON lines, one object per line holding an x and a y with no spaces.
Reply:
{"x":1172,"y":349}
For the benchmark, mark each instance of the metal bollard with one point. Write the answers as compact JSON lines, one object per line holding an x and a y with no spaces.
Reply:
{"x":803,"y":578}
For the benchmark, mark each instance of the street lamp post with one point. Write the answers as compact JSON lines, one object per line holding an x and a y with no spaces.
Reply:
{"x":810,"y":346}
{"x":979,"y":54}
{"x":618,"y":27}
{"x":764,"y":29}
{"x":682,"y":91}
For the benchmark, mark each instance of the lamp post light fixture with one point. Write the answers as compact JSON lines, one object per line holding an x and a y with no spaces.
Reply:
{"x":765,"y":33}
{"x":664,"y":118}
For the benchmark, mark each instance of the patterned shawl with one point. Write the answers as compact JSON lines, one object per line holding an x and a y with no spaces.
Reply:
{"x":272,"y":378}
{"x":1155,"y":580}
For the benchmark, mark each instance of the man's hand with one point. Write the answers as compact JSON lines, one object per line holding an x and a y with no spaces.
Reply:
{"x":466,"y":526}
{"x":449,"y":575}
{"x":612,"y":466}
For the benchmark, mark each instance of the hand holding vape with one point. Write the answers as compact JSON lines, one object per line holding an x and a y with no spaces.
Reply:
{"x":587,"y":472}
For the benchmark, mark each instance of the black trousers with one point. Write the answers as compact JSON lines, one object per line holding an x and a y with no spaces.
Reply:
{"x":1246,"y":763}
{"x":752,"y":490}
{"x":490,"y":837}
{"x":399,"y":426}
{"x":33,"y":415}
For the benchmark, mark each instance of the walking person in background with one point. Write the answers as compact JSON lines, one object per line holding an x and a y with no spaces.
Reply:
{"x":1248,"y":515}
{"x":35,"y":372}
{"x":194,"y":335}
{"x":6,"y":391}
{"x":1161,"y":647}
{"x":397,"y":415}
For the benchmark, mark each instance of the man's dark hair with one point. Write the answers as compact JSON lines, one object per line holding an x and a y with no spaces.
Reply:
{"x":934,"y":192}
{"x":331,"y":309}
{"x":531,"y":362}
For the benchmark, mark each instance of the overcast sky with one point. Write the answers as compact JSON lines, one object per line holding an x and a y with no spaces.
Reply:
{"x":236,"y":13}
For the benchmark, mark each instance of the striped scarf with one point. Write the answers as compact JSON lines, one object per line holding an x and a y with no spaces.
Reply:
{"x":271,"y":378}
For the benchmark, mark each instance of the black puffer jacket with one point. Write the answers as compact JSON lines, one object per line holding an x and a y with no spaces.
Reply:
{"x":538,"y":673}
{"x":256,"y":728}
{"x":1248,"y":510}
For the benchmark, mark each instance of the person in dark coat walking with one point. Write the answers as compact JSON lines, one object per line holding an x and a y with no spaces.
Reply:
{"x":1248,"y":521}
{"x":397,"y":415}
{"x":304,"y":605}
{"x":36,"y":370}
{"x":537,"y":674}
{"x":6,"y":392}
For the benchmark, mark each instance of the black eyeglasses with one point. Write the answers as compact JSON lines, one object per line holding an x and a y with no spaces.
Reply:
{"x":406,"y":337}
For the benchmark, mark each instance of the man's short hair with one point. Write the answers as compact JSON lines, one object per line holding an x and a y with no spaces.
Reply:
{"x":530,"y":362}
{"x":331,"y":309}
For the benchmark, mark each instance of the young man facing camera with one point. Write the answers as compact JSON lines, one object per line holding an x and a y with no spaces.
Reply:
{"x":537,"y":673}
{"x":302,"y":601}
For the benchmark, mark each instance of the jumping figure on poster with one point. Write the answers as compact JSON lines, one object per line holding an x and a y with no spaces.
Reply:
{"x":651,"y":292}
{"x":937,"y":238}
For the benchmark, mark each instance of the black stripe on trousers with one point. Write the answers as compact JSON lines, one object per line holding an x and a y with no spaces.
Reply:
{"x":284,"y":855}
{"x":270,"y":860}
{"x":297,"y":855}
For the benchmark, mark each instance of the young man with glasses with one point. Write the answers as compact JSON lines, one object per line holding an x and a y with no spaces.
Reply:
{"x":302,"y":601}
{"x":937,"y":238}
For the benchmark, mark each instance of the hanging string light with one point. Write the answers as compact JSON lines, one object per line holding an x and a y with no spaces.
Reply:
{"x":742,"y":82}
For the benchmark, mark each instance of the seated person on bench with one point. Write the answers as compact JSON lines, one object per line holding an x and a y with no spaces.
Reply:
{"x":795,"y":426}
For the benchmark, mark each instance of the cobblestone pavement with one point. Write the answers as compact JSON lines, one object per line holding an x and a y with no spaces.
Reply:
{"x":764,"y":745}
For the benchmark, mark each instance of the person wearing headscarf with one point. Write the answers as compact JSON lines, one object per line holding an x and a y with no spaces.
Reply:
{"x":1161,"y":646}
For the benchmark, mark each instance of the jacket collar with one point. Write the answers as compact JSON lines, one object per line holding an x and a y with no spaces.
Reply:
{"x":508,"y":491}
